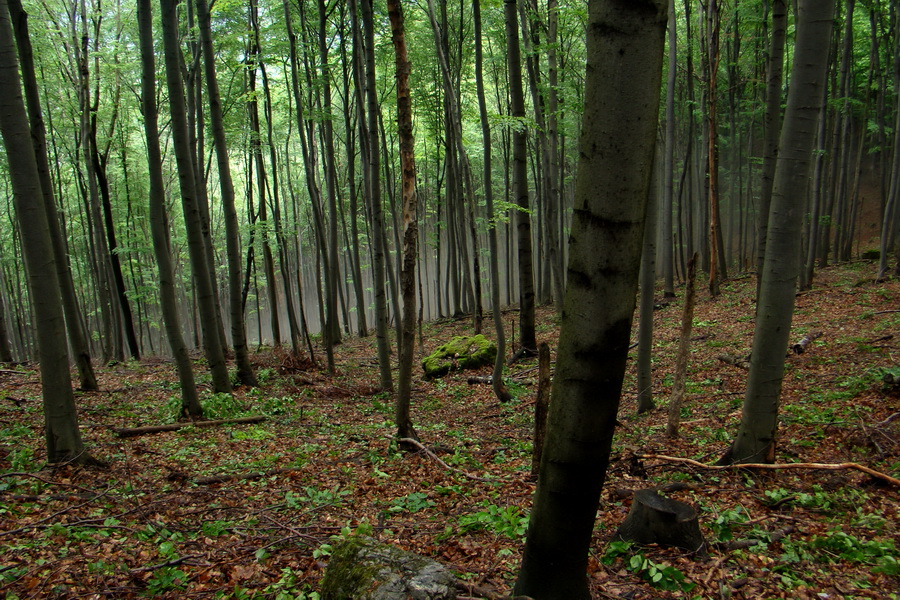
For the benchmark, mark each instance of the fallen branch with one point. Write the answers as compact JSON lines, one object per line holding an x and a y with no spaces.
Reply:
{"x":800,"y":347}
{"x":212,"y":479}
{"x":136,"y":431}
{"x":168,"y":563}
{"x":774,"y":536}
{"x":737,"y":361}
{"x":775,"y":466}
{"x":425,"y":449}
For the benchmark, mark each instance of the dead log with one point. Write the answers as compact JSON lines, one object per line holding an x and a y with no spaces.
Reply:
{"x":213,"y":479}
{"x":737,"y":361}
{"x":800,"y":347}
{"x":136,"y":431}
{"x":655,"y":519}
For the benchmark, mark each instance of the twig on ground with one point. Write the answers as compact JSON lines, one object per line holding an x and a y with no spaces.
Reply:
{"x":776,"y":466}
{"x":168,"y":563}
{"x":425,"y":449}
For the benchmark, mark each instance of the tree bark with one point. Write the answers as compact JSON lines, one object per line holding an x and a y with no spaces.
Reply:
{"x":245,"y":372}
{"x":205,"y":291}
{"x":527,"y":337}
{"x":755,"y":440}
{"x":159,"y":226}
{"x":62,"y":435}
{"x":410,"y":224}
{"x":624,"y":53}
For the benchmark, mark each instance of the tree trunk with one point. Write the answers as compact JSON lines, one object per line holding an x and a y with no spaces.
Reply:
{"x":499,"y":387}
{"x":772,"y":127}
{"x":410,"y":224}
{"x":77,"y":336}
{"x":159,"y":226}
{"x":62,"y":435}
{"x":684,"y":345}
{"x":205,"y":291}
{"x":226,"y":190}
{"x":624,"y":54}
{"x":665,"y":211}
{"x":527,"y":337}
{"x":755,"y":441}
{"x":648,"y":284}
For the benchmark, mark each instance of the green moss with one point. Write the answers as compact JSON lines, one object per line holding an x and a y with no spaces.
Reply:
{"x":462,"y":352}
{"x":346,"y":574}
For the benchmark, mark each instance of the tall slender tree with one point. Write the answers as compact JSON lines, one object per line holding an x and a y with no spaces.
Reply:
{"x":203,"y":281}
{"x":624,"y":72}
{"x":61,"y":431}
{"x":159,"y":226}
{"x":755,"y":440}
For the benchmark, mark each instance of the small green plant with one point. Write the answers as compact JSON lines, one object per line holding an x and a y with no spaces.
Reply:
{"x":659,"y":575}
{"x":508,"y":521}
{"x":880,"y":554}
{"x":315,"y":497}
{"x":411,"y":503}
{"x":165,"y":579}
{"x":222,"y":406}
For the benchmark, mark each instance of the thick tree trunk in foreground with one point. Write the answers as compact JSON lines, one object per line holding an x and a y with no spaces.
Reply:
{"x":624,"y":52}
{"x":755,"y":441}
{"x":159,"y":226}
{"x":60,"y":418}
{"x":410,"y":225}
{"x":77,"y":336}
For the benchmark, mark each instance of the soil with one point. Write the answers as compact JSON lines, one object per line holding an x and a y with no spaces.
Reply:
{"x":324,"y":463}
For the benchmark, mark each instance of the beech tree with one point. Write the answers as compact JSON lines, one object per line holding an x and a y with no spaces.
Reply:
{"x":755,"y":441}
{"x":624,"y":71}
{"x":61,"y":431}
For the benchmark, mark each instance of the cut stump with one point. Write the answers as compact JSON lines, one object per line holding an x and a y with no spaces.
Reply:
{"x":655,"y":519}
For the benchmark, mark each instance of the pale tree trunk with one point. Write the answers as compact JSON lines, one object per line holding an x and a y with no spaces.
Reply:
{"x":245,"y":372}
{"x":772,"y":127}
{"x":205,"y":290}
{"x":527,"y":337}
{"x":159,"y":226}
{"x":755,"y":441}
{"x":500,"y":389}
{"x":77,"y":336}
{"x":62,"y":435}
{"x":890,"y":225}
{"x":624,"y":72}
{"x":404,"y":423}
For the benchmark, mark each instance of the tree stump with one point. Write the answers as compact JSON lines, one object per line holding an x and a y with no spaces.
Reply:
{"x":655,"y":519}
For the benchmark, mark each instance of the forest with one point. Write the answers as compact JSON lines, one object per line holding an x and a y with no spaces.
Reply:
{"x":239,"y":235}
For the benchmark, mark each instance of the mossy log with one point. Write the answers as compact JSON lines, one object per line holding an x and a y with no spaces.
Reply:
{"x":655,"y":519}
{"x":461,"y":352}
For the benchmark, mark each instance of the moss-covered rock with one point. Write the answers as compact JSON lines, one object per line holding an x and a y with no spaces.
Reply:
{"x":462,"y":352}
{"x":364,"y":569}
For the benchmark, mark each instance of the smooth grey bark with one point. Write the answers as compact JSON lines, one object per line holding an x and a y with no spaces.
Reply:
{"x":205,"y":290}
{"x":407,"y":340}
{"x":159,"y":226}
{"x":891,"y":218}
{"x":665,"y":210}
{"x":374,"y":195}
{"x":527,"y":337}
{"x":500,"y":389}
{"x":755,"y":440}
{"x":61,"y":431}
{"x":648,"y":283}
{"x":772,"y":127}
{"x":245,"y":372}
{"x":77,"y":336}
{"x":624,"y":72}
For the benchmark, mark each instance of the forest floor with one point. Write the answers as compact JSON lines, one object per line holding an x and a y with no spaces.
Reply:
{"x":149,"y":525}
